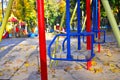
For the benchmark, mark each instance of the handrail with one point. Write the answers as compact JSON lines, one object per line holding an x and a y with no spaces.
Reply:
{"x":71,"y":59}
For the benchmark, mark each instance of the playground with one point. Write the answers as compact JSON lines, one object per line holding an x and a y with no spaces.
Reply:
{"x":77,"y":48}
{"x":18,"y":62}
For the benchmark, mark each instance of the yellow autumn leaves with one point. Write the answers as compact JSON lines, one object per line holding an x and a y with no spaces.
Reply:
{"x":23,"y":8}
{"x":57,"y":4}
{"x":62,"y":5}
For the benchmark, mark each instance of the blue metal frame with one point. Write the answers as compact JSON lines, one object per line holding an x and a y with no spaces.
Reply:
{"x":79,"y":24}
{"x":104,"y":36}
{"x":63,"y":44}
{"x":96,"y":32}
{"x":70,"y":58}
{"x":69,"y":34}
{"x":95,"y":22}
{"x":68,"y":28}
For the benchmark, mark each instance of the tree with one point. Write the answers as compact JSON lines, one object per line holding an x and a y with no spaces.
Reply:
{"x":115,"y":6}
{"x":25,"y":10}
{"x":51,"y":12}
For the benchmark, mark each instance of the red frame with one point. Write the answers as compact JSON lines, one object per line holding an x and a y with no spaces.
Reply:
{"x":42,"y":40}
{"x":88,"y":29}
{"x":99,"y":15}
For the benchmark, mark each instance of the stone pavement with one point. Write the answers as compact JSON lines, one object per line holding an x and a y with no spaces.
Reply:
{"x":19,"y":60}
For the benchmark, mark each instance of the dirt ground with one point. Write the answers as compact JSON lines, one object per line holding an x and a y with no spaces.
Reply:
{"x":19,"y":60}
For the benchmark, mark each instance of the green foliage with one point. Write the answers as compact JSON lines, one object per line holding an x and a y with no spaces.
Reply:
{"x":51,"y":11}
{"x":25,"y":10}
{"x":115,"y":6}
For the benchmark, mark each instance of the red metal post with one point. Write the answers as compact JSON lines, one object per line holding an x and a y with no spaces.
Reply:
{"x":99,"y":15}
{"x":42,"y":40}
{"x":88,"y":29}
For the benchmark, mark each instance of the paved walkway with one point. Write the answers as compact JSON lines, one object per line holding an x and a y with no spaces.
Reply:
{"x":19,"y":60}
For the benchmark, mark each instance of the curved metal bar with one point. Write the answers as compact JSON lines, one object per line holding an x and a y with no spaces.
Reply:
{"x":49,"y":47}
{"x":63,"y":44}
{"x":70,"y":58}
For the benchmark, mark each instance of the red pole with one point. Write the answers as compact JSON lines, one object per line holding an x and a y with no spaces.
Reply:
{"x":99,"y":24}
{"x":42,"y":39}
{"x":88,"y":29}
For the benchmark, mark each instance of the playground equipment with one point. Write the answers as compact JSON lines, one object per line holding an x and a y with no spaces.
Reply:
{"x":73,"y":15}
{"x":112,"y":20}
{"x":42,"y":44}
{"x":92,"y":32}
{"x":5,"y":20}
{"x":42,"y":40}
{"x":68,"y":56}
{"x":6,"y":35}
{"x":96,"y":22}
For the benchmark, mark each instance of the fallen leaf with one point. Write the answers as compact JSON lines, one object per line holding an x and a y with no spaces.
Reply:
{"x":98,"y":70}
{"x":106,"y":64}
{"x":78,"y":67}
{"x":27,"y":64}
{"x":68,"y":68}
{"x":1,"y":73}
{"x":115,"y":70}
{"x":92,"y":69}
{"x":94,"y":63}
{"x":109,"y":54}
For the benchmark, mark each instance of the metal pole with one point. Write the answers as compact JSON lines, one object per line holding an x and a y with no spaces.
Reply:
{"x":96,"y":16}
{"x":83,"y":25}
{"x":93,"y":14}
{"x":79,"y":24}
{"x":68,"y":28}
{"x":5,"y":20}
{"x":112,"y":20}
{"x":99,"y":24}
{"x":42,"y":39}
{"x":88,"y":29}
{"x":73,"y":14}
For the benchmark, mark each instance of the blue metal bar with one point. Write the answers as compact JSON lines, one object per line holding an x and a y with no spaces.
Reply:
{"x":95,"y":21}
{"x":84,"y":39}
{"x":93,"y":15}
{"x":79,"y":24}
{"x":68,"y":28}
{"x":92,"y":47}
{"x":68,"y":35}
{"x":104,"y":36}
{"x":96,"y":15}
{"x":78,"y":60}
{"x":70,"y":58}
{"x":63,"y":44}
{"x":84,"y":34}
{"x":49,"y":47}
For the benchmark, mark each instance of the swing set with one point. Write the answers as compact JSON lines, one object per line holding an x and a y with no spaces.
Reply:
{"x":92,"y":31}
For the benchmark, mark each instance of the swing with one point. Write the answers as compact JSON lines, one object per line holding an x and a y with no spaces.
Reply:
{"x":77,"y":55}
